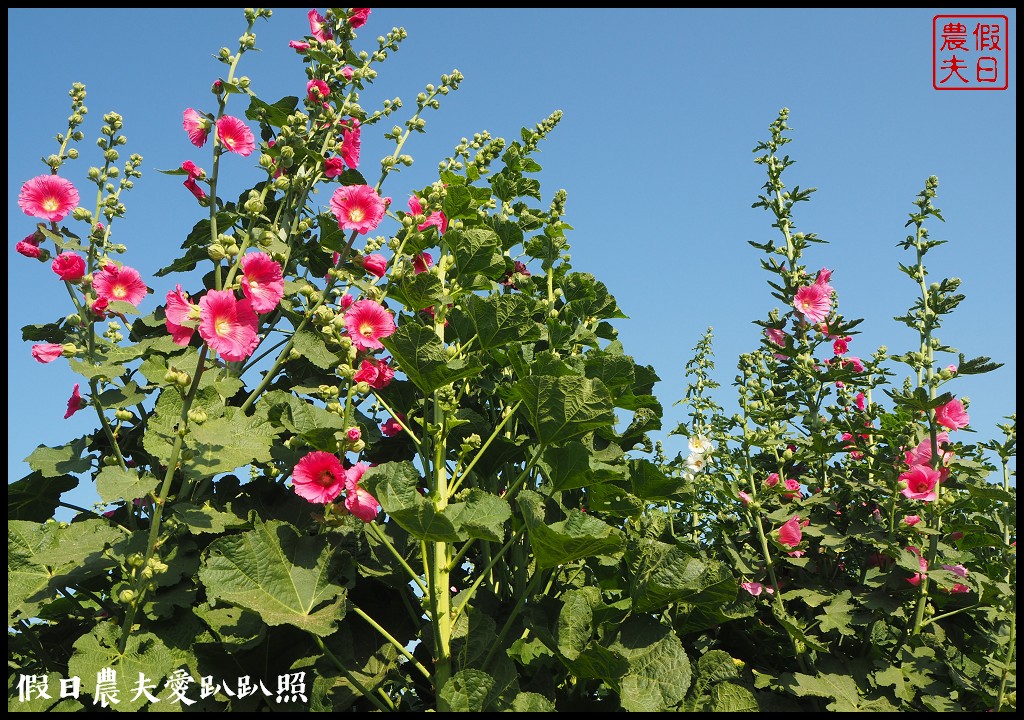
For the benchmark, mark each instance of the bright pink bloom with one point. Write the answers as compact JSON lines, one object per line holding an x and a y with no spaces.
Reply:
{"x":436,"y":218}
{"x":317,"y":90}
{"x":375,"y":264}
{"x":298,"y":45}
{"x":959,"y":570}
{"x":47,"y":352}
{"x":181,"y":316}
{"x":367,"y":322}
{"x":346,"y":300}
{"x":29,"y":247}
{"x":841,"y":346}
{"x":75,"y":403}
{"x":390,"y":428}
{"x":99,"y":307}
{"x":197,"y":126}
{"x":319,"y":477}
{"x":193,"y":187}
{"x":354,"y":434}
{"x":856,"y":362}
{"x":119,"y":283}
{"x":262,"y":281}
{"x":333,"y":167}
{"x":824,"y":275}
{"x":347,"y":72}
{"x":235,"y":136}
{"x":357,"y":207}
{"x":952,"y":415}
{"x":228,"y":325}
{"x":375,"y":373}
{"x":69,"y":266}
{"x":921,"y":481}
{"x":318,"y":27}
{"x":915,"y":579}
{"x":192,"y":169}
{"x":422,"y":262}
{"x":790,"y":533}
{"x":952,"y":369}
{"x":351,"y":142}
{"x":772,"y":480}
{"x":859,"y":400}
{"x":776,"y":336}
{"x":362,"y":504}
{"x":959,"y":588}
{"x":756,"y":588}
{"x":49,"y":197}
{"x":813,"y":302}
{"x":912,"y":520}
{"x":922,"y":454}
{"x":745,"y":497}
{"x":358,"y":17}
{"x":793,"y":487}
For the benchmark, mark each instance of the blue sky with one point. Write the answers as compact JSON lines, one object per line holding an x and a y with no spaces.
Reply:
{"x":662,"y":108}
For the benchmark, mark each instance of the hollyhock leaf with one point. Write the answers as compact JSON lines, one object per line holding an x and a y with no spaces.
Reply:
{"x":650,"y":483}
{"x":314,"y":424}
{"x":976,"y":366}
{"x":122,"y":396}
{"x":144,"y":654}
{"x":284,"y":576}
{"x":420,"y":354}
{"x":313,"y":348}
{"x":196,"y":244}
{"x":659,"y":670}
{"x":531,"y":702}
{"x":838,"y":615}
{"x":562,"y":408}
{"x":892,"y":676}
{"x":588,"y":297}
{"x":396,"y":487}
{"x":36,"y":497}
{"x":477,"y":252}
{"x":568,"y":466}
{"x":508,"y":231}
{"x":502,"y":319}
{"x":115,"y":483}
{"x":418,"y":291}
{"x":467,"y":691}
{"x":90,"y":371}
{"x":661,"y":574}
{"x":841,"y":689}
{"x":729,"y":697}
{"x":598,"y":662}
{"x":50,"y":332}
{"x":206,"y":519}
{"x":578,"y":536}
{"x":228,"y":443}
{"x":481,"y":516}
{"x":575,"y":627}
{"x":275,"y":114}
{"x":63,"y":460}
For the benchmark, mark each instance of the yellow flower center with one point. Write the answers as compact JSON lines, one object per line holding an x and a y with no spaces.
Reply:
{"x":119,"y":291}
{"x":253,"y":284}
{"x":222,"y":326}
{"x":366,"y":330}
{"x":51,"y":204}
{"x":356,"y":214}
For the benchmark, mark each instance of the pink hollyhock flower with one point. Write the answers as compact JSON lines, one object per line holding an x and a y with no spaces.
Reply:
{"x":357,"y":207}
{"x":346,"y":300}
{"x":193,"y":187}
{"x":772,"y":480}
{"x":841,"y":345}
{"x":262,"y":281}
{"x":375,"y":373}
{"x":952,"y":415}
{"x":793,"y":487}
{"x":912,"y":520}
{"x":859,"y":400}
{"x":745,"y":497}
{"x":357,"y":499}
{"x":181,"y":316}
{"x":354,"y":434}
{"x":776,"y":336}
{"x":75,"y":403}
{"x":347,"y":72}
{"x":228,"y":325}
{"x":436,"y":218}
{"x":390,"y":427}
{"x":856,"y":362}
{"x":959,"y":588}
{"x":333,"y":167}
{"x":119,"y":283}
{"x":790,"y":533}
{"x":197,"y":126}
{"x":358,"y":17}
{"x":235,"y":136}
{"x":69,"y":266}
{"x":319,"y":477}
{"x":422,"y":262}
{"x":915,"y":579}
{"x":49,"y":197}
{"x":367,"y":322}
{"x":318,"y":27}
{"x":813,"y":302}
{"x":298,"y":45}
{"x":824,"y":275}
{"x":47,"y":352}
{"x":921,"y":481}
{"x":29,"y":247}
{"x":952,"y":369}
{"x":193,"y":170}
{"x":317,"y":90}
{"x":756,"y":588}
{"x":375,"y":264}
{"x":922,"y":454}
{"x":99,"y":307}
{"x":351,"y":142}
{"x":959,"y":570}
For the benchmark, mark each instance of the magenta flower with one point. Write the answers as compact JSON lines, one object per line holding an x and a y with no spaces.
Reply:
{"x":793,"y":488}
{"x":790,"y":533}
{"x":49,"y":197}
{"x":47,"y":352}
{"x":959,"y":570}
{"x":262,"y":281}
{"x":228,"y":325}
{"x":298,"y":45}
{"x":181,"y":316}
{"x":357,"y":499}
{"x":951,"y":369}
{"x":367,"y":322}
{"x":75,"y":403}
{"x":319,"y":477}
{"x":776,"y":336}
{"x":375,"y":264}
{"x":436,"y":218}
{"x":921,"y":481}
{"x":346,"y":300}
{"x":119,"y":283}
{"x":855,"y":362}
{"x":922,"y":454}
{"x":814,"y":302}
{"x":354,"y":434}
{"x":197,"y":126}
{"x":29,"y":247}
{"x":841,"y":345}
{"x":756,"y":588}
{"x":952,"y":415}
{"x":235,"y":136}
{"x":357,"y":207}
{"x":358,"y":17}
{"x":912,"y":520}
{"x":422,"y":262}
{"x":915,"y":579}
{"x":193,"y":187}
{"x":824,"y":275}
{"x":333,"y":167}
{"x":192,"y":169}
{"x":390,"y":428}
{"x":317,"y":90}
{"x":745,"y":497}
{"x":99,"y":307}
{"x":318,"y":27}
{"x":772,"y":480}
{"x":347,"y":72}
{"x":859,"y":400}
{"x":375,"y":373}
{"x":351,"y":142}
{"x":69,"y":266}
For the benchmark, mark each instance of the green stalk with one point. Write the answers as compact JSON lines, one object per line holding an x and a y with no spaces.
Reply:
{"x":351,"y":678}
{"x":387,"y":636}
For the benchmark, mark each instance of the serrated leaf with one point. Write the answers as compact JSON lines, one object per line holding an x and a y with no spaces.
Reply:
{"x":229,"y":442}
{"x":502,"y":319}
{"x":114,"y":483}
{"x":842,"y":689}
{"x":563,"y":408}
{"x":144,"y":655}
{"x":575,"y":626}
{"x":316,"y":425}
{"x":396,"y":487}
{"x":418,"y":291}
{"x":661,"y":574}
{"x":313,"y":347}
{"x":481,"y":516}
{"x":206,"y":519}
{"x":420,"y":354}
{"x":531,"y":702}
{"x":728,"y":697}
{"x":659,"y":669}
{"x":578,"y":536}
{"x":476,"y":251}
{"x":51,"y":462}
{"x":273,"y":570}
{"x":838,"y":615}
{"x":467,"y":691}
{"x":35,"y":497}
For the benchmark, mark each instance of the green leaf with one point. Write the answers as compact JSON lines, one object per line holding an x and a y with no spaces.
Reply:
{"x":396,"y":485}
{"x":576,"y":620}
{"x":842,"y":689}
{"x":481,"y":516}
{"x":316,"y":425}
{"x":477,"y":252}
{"x":206,"y":519}
{"x":573,"y":465}
{"x":659,"y":670}
{"x":228,"y":443}
{"x":502,"y":319}
{"x":273,"y":570}
{"x":418,"y":291}
{"x":114,"y":483}
{"x":467,"y":691}
{"x":35,"y":497}
{"x":117,"y":397}
{"x":312,"y":347}
{"x":563,"y":408}
{"x":728,"y":697}
{"x":66,"y":459}
{"x":420,"y":354}
{"x":650,"y":483}
{"x":531,"y":702}
{"x":661,"y":574}
{"x":838,"y":615}
{"x":578,"y":536}
{"x":144,"y":655}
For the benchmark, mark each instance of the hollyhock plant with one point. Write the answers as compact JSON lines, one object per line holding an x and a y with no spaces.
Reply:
{"x":298,"y":45}
{"x":436,"y":218}
{"x":182,"y":316}
{"x":197,"y":126}
{"x":772,"y":480}
{"x":813,"y":302}
{"x":776,"y":336}
{"x":358,"y":500}
{"x":745,"y":497}
{"x":235,"y":136}
{"x":47,"y":352}
{"x":262,"y":281}
{"x":351,"y":142}
{"x":375,"y":373}
{"x":358,"y":17}
{"x":912,"y":520}
{"x":841,"y":345}
{"x":375,"y":264}
{"x":952,"y":415}
{"x":793,"y":489}
{"x":228,"y":325}
{"x":790,"y":533}
{"x":756,"y":588}
{"x":700,"y":444}
{"x":822,"y":280}
{"x":367,"y":322}
{"x":357,"y":207}
{"x":422,"y":262}
{"x":69,"y":266}
{"x":922,"y":454}
{"x":921,"y":481}
{"x":333,"y":167}
{"x":49,"y":197}
{"x":75,"y":403}
{"x":390,"y":428}
{"x":119,"y":283}
{"x":915,"y":579}
{"x":318,"y":26}
{"x":319,"y":477}
{"x":29,"y":247}
{"x":317,"y":90}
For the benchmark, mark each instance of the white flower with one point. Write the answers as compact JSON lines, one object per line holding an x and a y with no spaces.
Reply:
{"x":695,"y":462}
{"x":700,"y":445}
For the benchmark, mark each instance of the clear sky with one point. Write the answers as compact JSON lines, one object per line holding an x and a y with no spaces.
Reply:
{"x":662,"y":108}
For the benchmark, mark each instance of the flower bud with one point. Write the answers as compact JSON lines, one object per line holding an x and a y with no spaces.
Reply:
{"x":126,"y":597}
